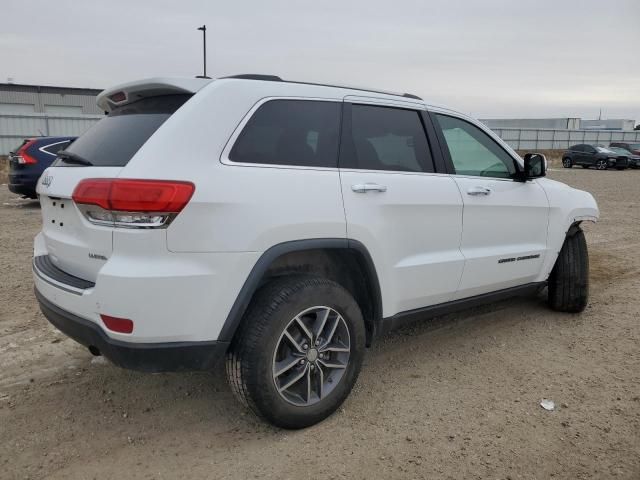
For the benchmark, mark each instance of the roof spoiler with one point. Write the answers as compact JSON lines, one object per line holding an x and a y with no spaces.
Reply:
{"x":126,"y":93}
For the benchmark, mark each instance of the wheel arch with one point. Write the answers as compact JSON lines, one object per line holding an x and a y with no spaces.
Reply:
{"x":345,"y":261}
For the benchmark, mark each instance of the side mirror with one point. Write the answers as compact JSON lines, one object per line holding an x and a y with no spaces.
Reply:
{"x":535,"y":166}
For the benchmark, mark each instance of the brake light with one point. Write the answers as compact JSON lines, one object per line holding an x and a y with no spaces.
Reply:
{"x":132,"y":203}
{"x":115,"y":324}
{"x":23,"y":157}
{"x":118,"y":97}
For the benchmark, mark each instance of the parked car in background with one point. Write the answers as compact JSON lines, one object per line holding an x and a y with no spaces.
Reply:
{"x":30,"y":159}
{"x":633,"y":159}
{"x":633,"y":147}
{"x":587,"y":155}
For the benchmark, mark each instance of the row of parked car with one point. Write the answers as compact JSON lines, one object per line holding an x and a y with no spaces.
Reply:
{"x":619,"y":155}
{"x":34,"y":155}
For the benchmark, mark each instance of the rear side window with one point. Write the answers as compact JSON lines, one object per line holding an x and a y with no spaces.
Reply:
{"x":54,"y":148}
{"x":115,"y":139}
{"x":385,"y":138}
{"x":576,"y":148}
{"x":291,"y":132}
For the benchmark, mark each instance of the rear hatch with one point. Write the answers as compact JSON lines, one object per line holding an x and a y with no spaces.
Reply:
{"x":76,"y":245}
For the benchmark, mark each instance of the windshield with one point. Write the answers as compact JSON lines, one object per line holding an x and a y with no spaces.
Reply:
{"x":604,"y":150}
{"x":620,"y":150}
{"x":115,"y":139}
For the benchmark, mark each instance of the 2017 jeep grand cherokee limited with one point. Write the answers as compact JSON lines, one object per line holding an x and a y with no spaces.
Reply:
{"x":285,"y":226}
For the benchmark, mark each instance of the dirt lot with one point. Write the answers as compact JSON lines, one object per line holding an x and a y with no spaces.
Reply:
{"x":457,"y":397}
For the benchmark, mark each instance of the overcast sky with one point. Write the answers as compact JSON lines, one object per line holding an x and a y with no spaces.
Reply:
{"x":490,"y":58}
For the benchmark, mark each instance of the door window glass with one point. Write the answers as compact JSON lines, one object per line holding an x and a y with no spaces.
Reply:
{"x":473,"y":152}
{"x":384,"y":138}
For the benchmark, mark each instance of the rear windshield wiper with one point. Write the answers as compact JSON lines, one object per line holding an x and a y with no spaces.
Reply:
{"x":70,"y":157}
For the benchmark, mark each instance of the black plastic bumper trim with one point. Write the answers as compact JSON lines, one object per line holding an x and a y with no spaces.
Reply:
{"x":46,"y":270}
{"x":405,"y":318}
{"x":147,"y":357}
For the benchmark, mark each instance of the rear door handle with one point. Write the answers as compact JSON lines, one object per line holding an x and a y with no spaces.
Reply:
{"x":479,"y":191}
{"x":368,"y":187}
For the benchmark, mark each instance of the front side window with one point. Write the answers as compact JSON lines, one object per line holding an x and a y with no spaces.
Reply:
{"x":291,"y":132}
{"x":386,"y":138}
{"x":473,"y":152}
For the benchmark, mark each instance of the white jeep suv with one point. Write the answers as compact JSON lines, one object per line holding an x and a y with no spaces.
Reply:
{"x":286,"y":225}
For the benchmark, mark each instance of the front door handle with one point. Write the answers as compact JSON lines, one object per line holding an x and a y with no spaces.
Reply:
{"x":368,"y":187}
{"x":479,"y":191}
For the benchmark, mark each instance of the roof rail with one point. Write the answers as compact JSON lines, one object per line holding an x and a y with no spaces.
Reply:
{"x":256,"y":76}
{"x":275,"y":78}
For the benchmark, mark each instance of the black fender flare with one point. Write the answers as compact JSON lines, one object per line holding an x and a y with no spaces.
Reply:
{"x":252,"y":282}
{"x":573,"y":229}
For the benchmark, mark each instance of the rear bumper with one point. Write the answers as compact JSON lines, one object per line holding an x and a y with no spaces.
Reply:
{"x":21,"y":189}
{"x":23,"y":182}
{"x":170,"y":297}
{"x":149,"y":357}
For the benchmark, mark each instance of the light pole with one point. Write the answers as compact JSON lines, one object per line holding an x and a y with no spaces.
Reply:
{"x":203,"y":28}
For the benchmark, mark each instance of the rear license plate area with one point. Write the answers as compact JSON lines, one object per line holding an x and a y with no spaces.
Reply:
{"x":57,"y":213}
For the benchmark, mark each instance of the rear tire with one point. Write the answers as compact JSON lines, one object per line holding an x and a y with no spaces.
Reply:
{"x":272,"y":340}
{"x":569,"y":279}
{"x":567,"y":163}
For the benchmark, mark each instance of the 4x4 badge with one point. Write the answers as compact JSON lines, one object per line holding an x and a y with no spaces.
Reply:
{"x":46,"y":180}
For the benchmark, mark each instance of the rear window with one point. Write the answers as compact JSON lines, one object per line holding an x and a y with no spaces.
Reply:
{"x":115,"y":139}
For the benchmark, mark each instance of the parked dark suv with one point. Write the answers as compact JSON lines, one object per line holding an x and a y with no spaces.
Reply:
{"x":587,"y":156}
{"x":30,"y":159}
{"x":633,"y":147}
{"x":634,"y":159}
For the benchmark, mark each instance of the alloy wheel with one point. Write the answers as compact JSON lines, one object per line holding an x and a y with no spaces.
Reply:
{"x":311,"y":356}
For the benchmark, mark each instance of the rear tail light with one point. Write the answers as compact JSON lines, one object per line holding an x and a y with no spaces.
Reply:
{"x":23,"y":157}
{"x":131,"y":203}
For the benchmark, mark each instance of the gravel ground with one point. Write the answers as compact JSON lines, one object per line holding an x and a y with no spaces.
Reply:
{"x":457,"y":397}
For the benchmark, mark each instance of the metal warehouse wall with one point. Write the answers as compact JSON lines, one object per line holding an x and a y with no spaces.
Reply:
{"x":42,"y":96}
{"x":547,"y":139}
{"x":15,"y":128}
{"x":537,"y":123}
